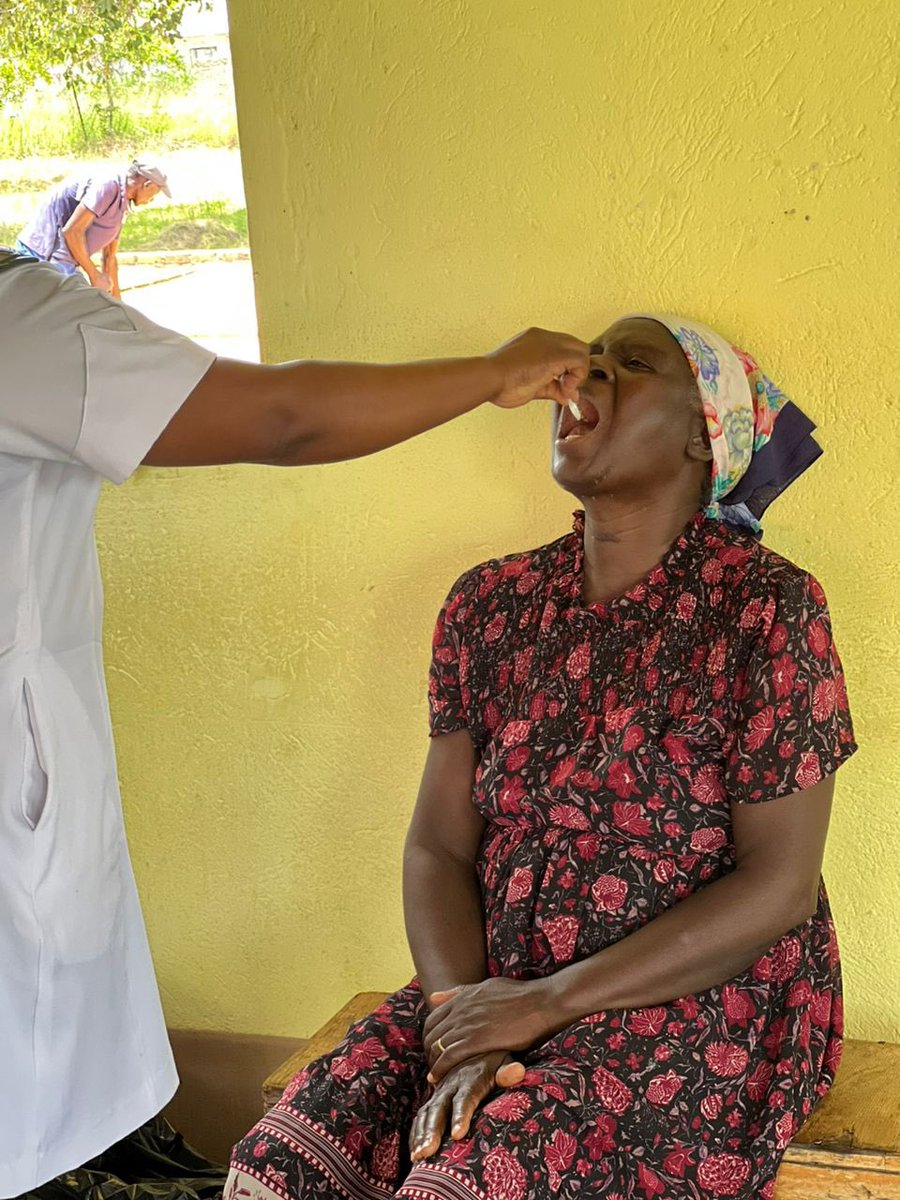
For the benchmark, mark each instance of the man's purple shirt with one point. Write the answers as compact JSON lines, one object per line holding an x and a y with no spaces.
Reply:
{"x":105,"y":197}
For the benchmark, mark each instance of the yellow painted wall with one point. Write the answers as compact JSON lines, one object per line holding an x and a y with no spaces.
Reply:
{"x":427,"y":178}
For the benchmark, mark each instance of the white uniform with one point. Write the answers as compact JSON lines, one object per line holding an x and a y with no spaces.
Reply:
{"x":86,"y":386}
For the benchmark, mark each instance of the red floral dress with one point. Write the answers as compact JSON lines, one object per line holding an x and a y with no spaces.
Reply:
{"x":612,"y":740}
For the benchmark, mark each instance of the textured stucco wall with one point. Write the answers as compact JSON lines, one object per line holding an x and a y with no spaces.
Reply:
{"x":427,"y":178}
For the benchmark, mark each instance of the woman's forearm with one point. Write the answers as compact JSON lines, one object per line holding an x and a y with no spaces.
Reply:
{"x":444,"y":921}
{"x":703,"y":941}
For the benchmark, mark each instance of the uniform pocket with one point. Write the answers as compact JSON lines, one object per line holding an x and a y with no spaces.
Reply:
{"x":81,"y":859}
{"x":35,"y":773}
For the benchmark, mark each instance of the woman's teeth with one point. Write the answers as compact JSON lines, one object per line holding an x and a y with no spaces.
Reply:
{"x":583,"y":419}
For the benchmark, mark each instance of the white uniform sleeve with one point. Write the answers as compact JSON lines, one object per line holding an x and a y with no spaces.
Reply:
{"x":85,"y":378}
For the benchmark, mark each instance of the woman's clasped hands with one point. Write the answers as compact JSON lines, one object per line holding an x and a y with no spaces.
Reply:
{"x":468,"y":1038}
{"x":496,"y":1014}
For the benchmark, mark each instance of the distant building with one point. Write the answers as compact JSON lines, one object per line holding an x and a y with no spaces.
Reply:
{"x":204,"y":43}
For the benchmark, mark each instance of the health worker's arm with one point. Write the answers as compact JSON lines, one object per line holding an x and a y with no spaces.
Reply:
{"x":299,"y":413}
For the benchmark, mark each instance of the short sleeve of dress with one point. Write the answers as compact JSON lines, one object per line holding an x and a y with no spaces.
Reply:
{"x":446,"y":711}
{"x":85,"y":378}
{"x":793,"y":725}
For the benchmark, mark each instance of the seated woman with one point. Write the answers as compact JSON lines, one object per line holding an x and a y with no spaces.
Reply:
{"x":627,"y":975}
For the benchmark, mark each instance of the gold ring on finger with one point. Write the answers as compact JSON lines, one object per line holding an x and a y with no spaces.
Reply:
{"x":439,"y":1046}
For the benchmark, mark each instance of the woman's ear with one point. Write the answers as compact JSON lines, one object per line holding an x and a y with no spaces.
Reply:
{"x":698,"y":447}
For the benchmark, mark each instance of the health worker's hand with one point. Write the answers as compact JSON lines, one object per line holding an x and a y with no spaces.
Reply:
{"x":456,"y":1099}
{"x":478,"y":1018}
{"x":539,"y":365}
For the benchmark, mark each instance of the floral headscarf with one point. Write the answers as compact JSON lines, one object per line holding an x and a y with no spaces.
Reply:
{"x":760,"y":439}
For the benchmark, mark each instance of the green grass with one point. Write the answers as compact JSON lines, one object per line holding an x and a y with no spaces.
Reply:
{"x":29,"y":184}
{"x":47,"y":123}
{"x":185,"y":227}
{"x":9,"y":233}
{"x":164,"y":115}
{"x":209,"y":225}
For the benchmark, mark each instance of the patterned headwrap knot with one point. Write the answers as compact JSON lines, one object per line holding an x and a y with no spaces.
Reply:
{"x":761,"y":441}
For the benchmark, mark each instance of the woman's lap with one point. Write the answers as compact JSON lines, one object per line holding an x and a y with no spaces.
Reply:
{"x":615,"y":1103}
{"x":344,"y":1120}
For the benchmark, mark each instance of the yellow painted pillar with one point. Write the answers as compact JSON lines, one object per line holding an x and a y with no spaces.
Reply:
{"x":427,"y":178}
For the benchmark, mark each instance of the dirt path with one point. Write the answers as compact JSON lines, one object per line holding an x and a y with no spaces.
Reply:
{"x":212,"y":302}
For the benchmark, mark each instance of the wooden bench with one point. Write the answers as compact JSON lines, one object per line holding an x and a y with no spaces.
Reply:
{"x":848,"y":1150}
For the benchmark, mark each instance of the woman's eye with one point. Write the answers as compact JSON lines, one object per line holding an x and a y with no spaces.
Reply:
{"x":637,"y":363}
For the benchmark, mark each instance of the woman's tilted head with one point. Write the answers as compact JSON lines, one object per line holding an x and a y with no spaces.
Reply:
{"x":642,"y":433}
{"x":674,"y":413}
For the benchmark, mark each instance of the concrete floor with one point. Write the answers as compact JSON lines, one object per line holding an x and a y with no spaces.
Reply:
{"x":212,"y":302}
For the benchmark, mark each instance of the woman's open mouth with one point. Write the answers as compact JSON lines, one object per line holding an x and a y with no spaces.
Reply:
{"x":576,"y":419}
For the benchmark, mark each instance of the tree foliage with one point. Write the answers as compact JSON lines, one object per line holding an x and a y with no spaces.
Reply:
{"x":92,"y":46}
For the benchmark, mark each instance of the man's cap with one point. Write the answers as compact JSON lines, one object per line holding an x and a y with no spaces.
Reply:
{"x":153,"y":172}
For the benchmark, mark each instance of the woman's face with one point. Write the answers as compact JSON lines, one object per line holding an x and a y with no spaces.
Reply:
{"x":642,"y":432}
